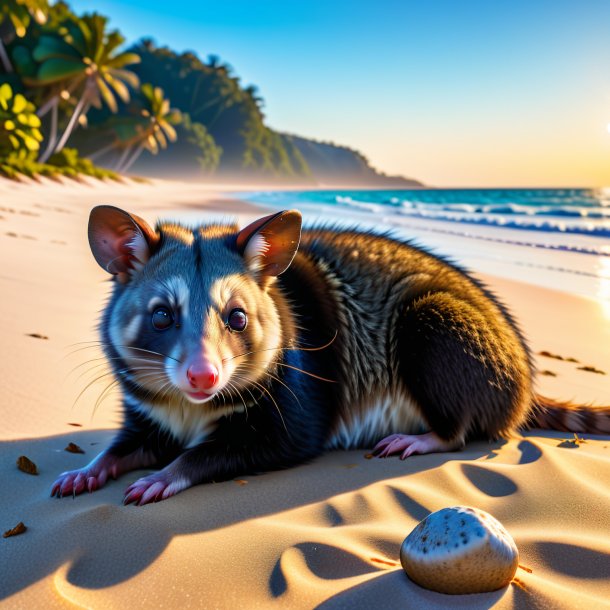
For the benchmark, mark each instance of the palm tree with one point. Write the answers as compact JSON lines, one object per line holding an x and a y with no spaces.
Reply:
{"x":20,"y":13}
{"x":82,"y":57}
{"x":160,"y":119}
{"x":149,"y":129}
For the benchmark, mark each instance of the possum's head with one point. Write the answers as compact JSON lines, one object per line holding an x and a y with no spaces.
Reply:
{"x":194,"y":314}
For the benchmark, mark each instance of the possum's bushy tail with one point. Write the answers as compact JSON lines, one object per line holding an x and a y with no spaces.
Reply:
{"x":552,"y":414}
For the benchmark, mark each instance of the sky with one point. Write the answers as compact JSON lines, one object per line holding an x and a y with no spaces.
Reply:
{"x":453,"y":93}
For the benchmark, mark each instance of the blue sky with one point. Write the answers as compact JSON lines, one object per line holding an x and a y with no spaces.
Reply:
{"x":454,"y":93}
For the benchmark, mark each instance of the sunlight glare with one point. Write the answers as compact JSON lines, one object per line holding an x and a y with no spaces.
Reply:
{"x":603,"y":291}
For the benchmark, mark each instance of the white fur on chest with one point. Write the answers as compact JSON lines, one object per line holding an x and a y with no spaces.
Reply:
{"x":188,"y":424}
{"x":364,"y":424}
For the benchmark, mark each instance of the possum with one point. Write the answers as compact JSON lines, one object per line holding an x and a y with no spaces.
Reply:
{"x":245,"y":351}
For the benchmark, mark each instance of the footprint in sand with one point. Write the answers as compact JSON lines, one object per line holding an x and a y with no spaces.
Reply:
{"x":591,"y":369}
{"x":22,"y":212}
{"x":587,"y":368}
{"x":52,"y":208}
{"x":12,"y":234}
{"x":547,"y":354}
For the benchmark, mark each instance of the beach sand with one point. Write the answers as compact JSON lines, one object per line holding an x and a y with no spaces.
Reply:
{"x":323,"y":534}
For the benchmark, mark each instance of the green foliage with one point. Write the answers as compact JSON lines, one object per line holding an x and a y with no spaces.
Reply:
{"x":69,"y":159}
{"x":20,"y":127}
{"x":66,"y":164}
{"x":81,"y":52}
{"x":160,"y":119}
{"x":148,"y":125}
{"x":73,"y":69}
{"x":214,"y":98}
{"x":207,"y":153}
{"x":77,"y":58}
{"x":271,"y":152}
{"x":21,"y":12}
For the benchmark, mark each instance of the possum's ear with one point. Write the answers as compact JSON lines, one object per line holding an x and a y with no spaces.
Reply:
{"x":269,"y":244}
{"x":121,"y":243}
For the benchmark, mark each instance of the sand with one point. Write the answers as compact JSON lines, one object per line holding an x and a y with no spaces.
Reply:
{"x":324,"y":534}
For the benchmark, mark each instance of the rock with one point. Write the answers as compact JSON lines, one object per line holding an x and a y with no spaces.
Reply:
{"x":460,"y":550}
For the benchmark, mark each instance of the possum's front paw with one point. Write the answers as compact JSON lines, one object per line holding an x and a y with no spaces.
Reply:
{"x":155,"y":487}
{"x":91,"y":477}
{"x":412,"y":444}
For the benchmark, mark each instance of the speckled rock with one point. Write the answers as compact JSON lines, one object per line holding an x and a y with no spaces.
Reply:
{"x":460,"y":550}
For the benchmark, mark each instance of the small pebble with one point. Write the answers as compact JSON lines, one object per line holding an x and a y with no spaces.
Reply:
{"x":73,"y":448}
{"x":18,"y":529}
{"x":26,"y":465}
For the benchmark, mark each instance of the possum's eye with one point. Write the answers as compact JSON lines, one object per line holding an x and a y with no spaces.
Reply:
{"x":162,"y":318}
{"x":237,"y":320}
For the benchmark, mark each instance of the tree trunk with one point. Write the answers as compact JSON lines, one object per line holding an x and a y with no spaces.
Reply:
{"x":101,"y":152}
{"x":54,"y":98}
{"x":48,"y":105}
{"x":122,"y":158}
{"x":52,"y":134}
{"x":70,"y":127}
{"x":6,"y":62}
{"x":133,"y":159}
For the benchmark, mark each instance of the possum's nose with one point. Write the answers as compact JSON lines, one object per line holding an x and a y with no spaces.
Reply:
{"x":202,"y":376}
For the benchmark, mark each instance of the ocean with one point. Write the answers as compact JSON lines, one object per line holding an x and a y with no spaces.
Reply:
{"x":582,"y":211}
{"x":557,"y":238}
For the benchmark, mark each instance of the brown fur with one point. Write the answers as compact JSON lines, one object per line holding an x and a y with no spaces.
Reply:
{"x":550,"y":414}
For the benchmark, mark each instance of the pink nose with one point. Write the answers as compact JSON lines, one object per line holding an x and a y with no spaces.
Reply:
{"x":202,"y":376}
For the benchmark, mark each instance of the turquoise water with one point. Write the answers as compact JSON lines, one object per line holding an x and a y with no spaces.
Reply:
{"x":556,"y":238}
{"x":568,"y":211}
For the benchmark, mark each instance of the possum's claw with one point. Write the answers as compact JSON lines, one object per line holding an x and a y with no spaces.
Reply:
{"x":155,"y":487}
{"x":411,"y":444}
{"x":94,"y":476}
{"x":74,"y":482}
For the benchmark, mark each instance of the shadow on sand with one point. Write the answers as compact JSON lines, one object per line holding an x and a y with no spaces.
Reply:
{"x":105,"y":544}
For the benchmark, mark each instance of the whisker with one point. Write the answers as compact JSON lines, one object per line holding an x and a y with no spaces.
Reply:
{"x":139,"y":349}
{"x":273,"y":401}
{"x":80,"y":349}
{"x":148,"y":351}
{"x":296,"y":368}
{"x":140,"y":359}
{"x":164,"y":394}
{"x":106,"y":392}
{"x":239,"y":394}
{"x":89,"y":384}
{"x":93,"y":368}
{"x":287,"y":348}
{"x":273,"y":377}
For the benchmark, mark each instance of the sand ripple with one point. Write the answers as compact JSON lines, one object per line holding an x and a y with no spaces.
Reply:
{"x":319,"y":535}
